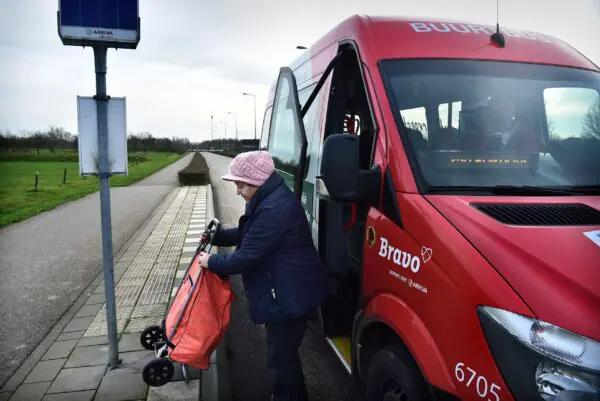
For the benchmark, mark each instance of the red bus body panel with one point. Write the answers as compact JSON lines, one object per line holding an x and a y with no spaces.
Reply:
{"x":442,"y":296}
{"x":555,"y":269}
{"x":439,"y":38}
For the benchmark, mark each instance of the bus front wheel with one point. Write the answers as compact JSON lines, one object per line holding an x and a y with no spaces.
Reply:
{"x":393,"y":376}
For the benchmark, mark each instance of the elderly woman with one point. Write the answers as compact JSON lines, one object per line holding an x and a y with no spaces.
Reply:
{"x":283,"y":274}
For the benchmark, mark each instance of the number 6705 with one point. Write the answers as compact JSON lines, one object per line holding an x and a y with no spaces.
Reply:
{"x":481,"y":385}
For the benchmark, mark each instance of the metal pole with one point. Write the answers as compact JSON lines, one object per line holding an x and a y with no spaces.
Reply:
{"x":104,"y":175}
{"x":212,"y":130}
{"x":254,"y":96}
{"x":236,"y":128}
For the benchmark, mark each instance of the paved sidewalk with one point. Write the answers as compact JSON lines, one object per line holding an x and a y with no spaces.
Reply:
{"x":71,"y":363}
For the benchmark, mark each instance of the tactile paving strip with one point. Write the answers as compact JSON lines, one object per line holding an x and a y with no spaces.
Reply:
{"x":139,"y":324}
{"x":155,"y":289}
{"x":122,"y":313}
{"x":150,"y":270}
{"x":128,"y":283}
{"x":149,"y":310}
{"x":98,"y":327}
{"x":133,"y":274}
{"x":158,"y":286}
{"x":161,"y":272}
{"x":141,"y":265}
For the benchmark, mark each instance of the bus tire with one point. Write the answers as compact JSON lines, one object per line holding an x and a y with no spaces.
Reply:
{"x":392,"y":375}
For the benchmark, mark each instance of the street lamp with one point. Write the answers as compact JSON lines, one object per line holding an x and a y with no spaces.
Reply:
{"x":218,"y":125}
{"x":254,"y":97}
{"x":236,"y":130}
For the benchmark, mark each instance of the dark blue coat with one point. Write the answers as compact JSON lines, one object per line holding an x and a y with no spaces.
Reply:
{"x":283,"y":274}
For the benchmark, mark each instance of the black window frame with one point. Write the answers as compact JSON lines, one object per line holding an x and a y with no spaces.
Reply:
{"x":266,"y":124}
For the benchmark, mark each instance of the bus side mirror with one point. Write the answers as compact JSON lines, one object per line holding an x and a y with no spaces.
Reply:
{"x":341,"y":179}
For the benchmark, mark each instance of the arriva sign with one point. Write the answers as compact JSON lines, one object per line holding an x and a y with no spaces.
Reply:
{"x":90,"y":31}
{"x":114,"y":23}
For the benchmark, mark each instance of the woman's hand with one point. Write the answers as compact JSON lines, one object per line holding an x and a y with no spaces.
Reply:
{"x":203,"y":259}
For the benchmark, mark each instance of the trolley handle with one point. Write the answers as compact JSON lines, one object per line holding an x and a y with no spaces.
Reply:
{"x":214,"y":222}
{"x":211,"y":230}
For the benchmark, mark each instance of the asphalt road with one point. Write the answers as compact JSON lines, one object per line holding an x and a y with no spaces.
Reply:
{"x":326,"y":378}
{"x":47,"y":261}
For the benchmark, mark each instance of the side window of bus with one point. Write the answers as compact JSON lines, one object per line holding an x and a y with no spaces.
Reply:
{"x":282,"y":142}
{"x":264,"y":135}
{"x":283,"y":134}
{"x":311,"y":128}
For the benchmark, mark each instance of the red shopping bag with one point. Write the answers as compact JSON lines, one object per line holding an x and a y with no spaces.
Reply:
{"x":206,"y":316}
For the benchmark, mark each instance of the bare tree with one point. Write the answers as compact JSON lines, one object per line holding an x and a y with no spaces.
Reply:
{"x":591,"y":125}
{"x":552,"y":130}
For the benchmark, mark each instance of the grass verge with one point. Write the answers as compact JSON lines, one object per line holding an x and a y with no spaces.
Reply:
{"x":19,"y":200}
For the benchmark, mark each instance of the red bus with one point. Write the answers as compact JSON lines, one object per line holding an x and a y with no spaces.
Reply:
{"x":451,"y":176}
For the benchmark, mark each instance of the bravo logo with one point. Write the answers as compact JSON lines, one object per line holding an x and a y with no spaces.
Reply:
{"x":402,"y":258}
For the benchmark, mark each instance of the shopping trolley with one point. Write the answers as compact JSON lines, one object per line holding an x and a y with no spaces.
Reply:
{"x":195,"y":322}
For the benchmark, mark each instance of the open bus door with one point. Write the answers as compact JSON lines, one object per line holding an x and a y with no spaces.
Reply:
{"x":341,"y":217}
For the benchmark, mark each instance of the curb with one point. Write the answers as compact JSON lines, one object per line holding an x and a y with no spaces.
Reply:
{"x":214,"y":381}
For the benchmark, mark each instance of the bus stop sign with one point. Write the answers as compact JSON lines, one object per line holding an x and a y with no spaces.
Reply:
{"x":102,"y":24}
{"x":113,"y":23}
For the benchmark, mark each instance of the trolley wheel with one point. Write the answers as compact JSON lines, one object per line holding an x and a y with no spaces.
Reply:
{"x":150,"y":336}
{"x":158,"y":372}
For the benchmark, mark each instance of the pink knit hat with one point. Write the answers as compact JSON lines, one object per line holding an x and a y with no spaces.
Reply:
{"x":251,"y":167}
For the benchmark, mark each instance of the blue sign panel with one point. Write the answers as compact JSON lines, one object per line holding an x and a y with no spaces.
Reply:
{"x":88,"y":22}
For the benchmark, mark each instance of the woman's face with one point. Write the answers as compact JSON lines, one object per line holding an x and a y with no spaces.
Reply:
{"x":245,"y":191}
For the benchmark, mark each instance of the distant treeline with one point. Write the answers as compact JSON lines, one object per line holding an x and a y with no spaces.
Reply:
{"x":57,"y":138}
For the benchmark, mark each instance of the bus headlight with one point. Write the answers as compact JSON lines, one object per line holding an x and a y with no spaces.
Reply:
{"x":539,"y":360}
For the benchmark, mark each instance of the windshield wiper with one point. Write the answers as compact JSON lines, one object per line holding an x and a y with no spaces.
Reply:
{"x":529,"y":189}
{"x":586,"y":189}
{"x":508,"y":190}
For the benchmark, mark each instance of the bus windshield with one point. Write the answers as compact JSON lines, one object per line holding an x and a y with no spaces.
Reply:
{"x":489,"y":124}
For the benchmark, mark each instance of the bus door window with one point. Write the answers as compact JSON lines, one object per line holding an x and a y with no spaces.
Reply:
{"x":349,"y":113}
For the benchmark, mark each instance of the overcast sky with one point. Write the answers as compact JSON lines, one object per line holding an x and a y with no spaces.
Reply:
{"x":196,"y":57}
